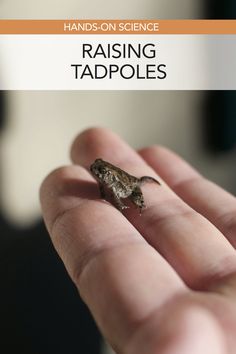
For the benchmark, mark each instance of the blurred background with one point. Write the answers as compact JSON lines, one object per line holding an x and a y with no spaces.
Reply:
{"x":41,"y":312}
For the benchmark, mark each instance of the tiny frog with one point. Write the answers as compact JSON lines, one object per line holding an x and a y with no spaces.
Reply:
{"x":121,"y":184}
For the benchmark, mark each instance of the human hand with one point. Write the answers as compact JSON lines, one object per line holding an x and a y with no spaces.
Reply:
{"x":163,"y":282}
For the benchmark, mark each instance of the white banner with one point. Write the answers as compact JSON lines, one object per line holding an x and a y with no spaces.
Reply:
{"x":116,"y":62}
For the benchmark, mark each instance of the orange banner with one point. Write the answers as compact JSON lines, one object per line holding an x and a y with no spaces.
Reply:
{"x":117,"y":26}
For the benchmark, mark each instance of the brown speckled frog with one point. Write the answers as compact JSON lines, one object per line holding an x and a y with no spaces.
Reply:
{"x":121,"y":184}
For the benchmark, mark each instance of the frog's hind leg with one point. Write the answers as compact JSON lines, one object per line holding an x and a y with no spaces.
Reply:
{"x":137,"y":198}
{"x":145,"y":179}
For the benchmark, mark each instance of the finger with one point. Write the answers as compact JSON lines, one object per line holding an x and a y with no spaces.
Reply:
{"x":205,"y":197}
{"x":179,"y":330}
{"x":192,"y":245}
{"x":120,"y":277}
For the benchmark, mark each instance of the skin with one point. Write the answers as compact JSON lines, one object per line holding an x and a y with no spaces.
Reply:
{"x":162,"y":283}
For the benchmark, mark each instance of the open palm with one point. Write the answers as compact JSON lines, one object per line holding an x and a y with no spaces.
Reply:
{"x":160,"y":283}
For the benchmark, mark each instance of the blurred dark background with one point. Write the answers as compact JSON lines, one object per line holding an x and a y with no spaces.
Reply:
{"x":220,"y":117}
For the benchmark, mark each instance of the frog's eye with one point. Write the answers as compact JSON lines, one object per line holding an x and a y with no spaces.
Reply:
{"x":101,"y":170}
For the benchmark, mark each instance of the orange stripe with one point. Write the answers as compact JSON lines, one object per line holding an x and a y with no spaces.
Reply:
{"x":117,"y":26}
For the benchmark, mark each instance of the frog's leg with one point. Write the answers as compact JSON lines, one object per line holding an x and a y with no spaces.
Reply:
{"x":102,"y":191}
{"x":118,"y":201}
{"x":137,"y":198}
{"x":145,"y":179}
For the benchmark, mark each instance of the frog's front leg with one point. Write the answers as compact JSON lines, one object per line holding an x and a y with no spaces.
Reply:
{"x":102,"y":191}
{"x":137,"y":198}
{"x":117,"y":200}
